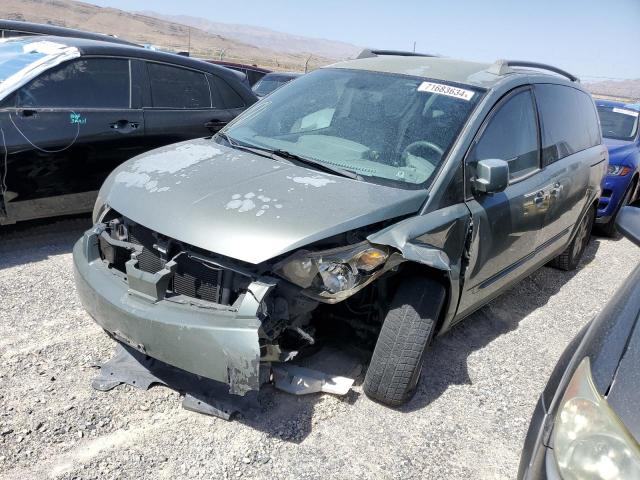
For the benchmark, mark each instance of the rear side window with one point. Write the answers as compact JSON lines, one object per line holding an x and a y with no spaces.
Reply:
{"x":229,"y":96}
{"x":568,"y":119}
{"x":81,"y":83}
{"x":512,"y":135}
{"x":175,"y":87}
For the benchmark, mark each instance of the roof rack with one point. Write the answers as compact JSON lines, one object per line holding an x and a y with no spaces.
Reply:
{"x":367,"y":53}
{"x":502,"y":67}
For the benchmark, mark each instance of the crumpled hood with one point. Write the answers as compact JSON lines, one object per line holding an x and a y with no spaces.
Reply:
{"x":242,"y":205}
{"x":619,"y":150}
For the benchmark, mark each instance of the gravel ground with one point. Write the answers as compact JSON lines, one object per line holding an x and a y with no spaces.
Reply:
{"x":467,"y":420}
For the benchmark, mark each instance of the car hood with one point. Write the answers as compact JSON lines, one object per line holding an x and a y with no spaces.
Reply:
{"x":618,"y":150}
{"x":242,"y":205}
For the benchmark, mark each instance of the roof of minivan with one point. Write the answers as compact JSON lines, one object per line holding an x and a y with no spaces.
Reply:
{"x":438,"y":68}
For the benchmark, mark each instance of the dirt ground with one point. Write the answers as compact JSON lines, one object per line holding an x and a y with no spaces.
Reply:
{"x":467,"y":420}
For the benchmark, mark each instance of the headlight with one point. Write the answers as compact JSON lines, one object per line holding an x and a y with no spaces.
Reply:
{"x":617,"y":170}
{"x":333,"y":275}
{"x":589,"y":440}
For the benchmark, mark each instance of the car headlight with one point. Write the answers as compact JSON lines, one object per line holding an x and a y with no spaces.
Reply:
{"x":333,"y":275}
{"x":617,"y":170}
{"x":589,"y":440}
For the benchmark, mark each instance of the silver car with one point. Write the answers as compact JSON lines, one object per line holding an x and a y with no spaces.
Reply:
{"x":396,"y":193}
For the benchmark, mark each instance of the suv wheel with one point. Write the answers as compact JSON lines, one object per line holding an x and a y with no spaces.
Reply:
{"x":407,"y":330}
{"x":570,"y":258}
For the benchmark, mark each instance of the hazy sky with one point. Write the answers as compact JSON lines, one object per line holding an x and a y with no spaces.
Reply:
{"x":591,"y":38}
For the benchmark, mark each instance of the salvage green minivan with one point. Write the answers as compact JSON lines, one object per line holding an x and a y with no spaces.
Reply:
{"x":397,"y":192}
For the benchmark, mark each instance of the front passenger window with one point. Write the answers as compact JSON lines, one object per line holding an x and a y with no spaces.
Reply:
{"x":512,"y":135}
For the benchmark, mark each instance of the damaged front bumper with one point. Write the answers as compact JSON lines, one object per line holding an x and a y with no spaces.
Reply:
{"x":214,"y":341}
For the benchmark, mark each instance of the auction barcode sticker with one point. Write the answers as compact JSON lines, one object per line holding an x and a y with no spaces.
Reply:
{"x":446,"y":90}
{"x":633,"y":113}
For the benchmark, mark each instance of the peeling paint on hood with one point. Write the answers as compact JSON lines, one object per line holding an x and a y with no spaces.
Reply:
{"x":164,"y":161}
{"x":236,"y":204}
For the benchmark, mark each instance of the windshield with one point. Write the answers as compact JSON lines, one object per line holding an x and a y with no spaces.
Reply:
{"x":268,"y":84}
{"x":384,"y":127}
{"x":14,"y":56}
{"x":618,"y":123}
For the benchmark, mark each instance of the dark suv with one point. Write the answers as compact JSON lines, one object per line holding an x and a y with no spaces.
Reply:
{"x":396,"y":193}
{"x":71,"y":110}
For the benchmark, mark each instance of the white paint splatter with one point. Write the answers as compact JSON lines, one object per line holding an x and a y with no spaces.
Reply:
{"x":249,"y":195}
{"x":315,"y":181}
{"x":174,"y":159}
{"x":259,"y":212}
{"x":278,"y":205}
{"x":234,"y":204}
{"x":131,"y":179}
{"x":235,"y":196}
{"x":241,"y":205}
{"x":246,"y":206}
{"x":151,"y":186}
{"x":263,"y":198}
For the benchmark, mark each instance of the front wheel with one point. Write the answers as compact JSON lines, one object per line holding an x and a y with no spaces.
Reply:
{"x":407,"y":330}
{"x":570,"y":258}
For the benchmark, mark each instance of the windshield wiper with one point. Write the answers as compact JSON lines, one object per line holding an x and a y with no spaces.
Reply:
{"x":233,"y":143}
{"x":279,"y":153}
{"x":315,"y":163}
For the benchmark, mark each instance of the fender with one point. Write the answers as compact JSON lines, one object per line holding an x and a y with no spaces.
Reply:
{"x":437,"y":240}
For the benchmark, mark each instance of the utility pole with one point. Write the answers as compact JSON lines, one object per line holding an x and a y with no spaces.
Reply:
{"x":189,"y":44}
{"x":306,"y":64}
{"x":414,"y":47}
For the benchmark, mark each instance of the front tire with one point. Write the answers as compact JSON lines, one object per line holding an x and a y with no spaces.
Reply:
{"x":570,"y":258}
{"x":407,"y":330}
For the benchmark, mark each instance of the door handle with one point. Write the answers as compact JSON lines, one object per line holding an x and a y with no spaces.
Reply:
{"x":555,"y":191}
{"x":124,"y":126}
{"x":538,"y":200}
{"x":215,"y":124}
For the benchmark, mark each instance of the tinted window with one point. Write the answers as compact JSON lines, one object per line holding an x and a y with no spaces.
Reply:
{"x":229,"y":96}
{"x":84,"y":83}
{"x":512,"y":135}
{"x":174,"y":87}
{"x":568,"y":121}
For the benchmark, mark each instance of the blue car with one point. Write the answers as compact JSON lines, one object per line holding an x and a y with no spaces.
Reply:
{"x":619,"y":123}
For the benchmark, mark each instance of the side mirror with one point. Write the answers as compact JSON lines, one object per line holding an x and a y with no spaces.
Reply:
{"x":628,"y":223}
{"x":492,"y":176}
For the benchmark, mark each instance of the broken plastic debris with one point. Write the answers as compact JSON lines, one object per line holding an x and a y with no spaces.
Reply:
{"x":302,"y":381}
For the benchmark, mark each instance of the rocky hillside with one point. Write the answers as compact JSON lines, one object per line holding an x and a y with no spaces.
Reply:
{"x":145,"y":29}
{"x":623,"y":89}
